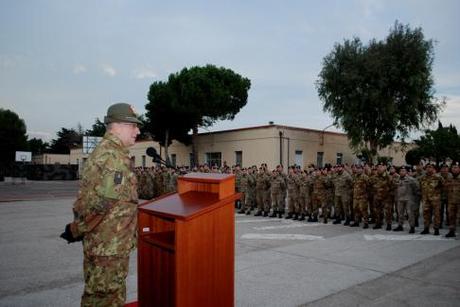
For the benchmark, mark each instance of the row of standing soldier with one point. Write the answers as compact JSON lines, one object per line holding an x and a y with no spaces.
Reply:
{"x":354,"y":195}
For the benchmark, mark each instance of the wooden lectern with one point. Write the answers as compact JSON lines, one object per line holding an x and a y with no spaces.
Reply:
{"x":186,"y":244}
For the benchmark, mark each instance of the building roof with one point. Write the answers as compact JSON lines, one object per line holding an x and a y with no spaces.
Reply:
{"x":272,"y":126}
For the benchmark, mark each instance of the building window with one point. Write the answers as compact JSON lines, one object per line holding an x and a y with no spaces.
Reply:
{"x":339,"y":158}
{"x":239,"y":158}
{"x":173,"y":160}
{"x":214,"y":158}
{"x":319,"y":159}
{"x":299,"y":158}
{"x":143,"y":161}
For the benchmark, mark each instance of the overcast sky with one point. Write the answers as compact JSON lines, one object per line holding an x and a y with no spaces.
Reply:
{"x":64,"y":62}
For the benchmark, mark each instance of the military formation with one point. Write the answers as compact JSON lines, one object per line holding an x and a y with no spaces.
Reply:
{"x":367,"y":195}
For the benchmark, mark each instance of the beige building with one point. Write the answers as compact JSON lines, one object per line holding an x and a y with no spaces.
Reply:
{"x":51,"y":159}
{"x":271,"y":144}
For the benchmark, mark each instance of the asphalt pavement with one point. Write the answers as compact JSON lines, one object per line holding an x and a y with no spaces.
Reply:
{"x":278,"y":262}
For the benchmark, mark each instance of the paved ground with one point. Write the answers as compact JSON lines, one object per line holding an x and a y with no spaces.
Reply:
{"x":278,"y":262}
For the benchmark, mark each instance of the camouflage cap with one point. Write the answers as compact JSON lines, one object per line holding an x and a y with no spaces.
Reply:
{"x":121,"y":112}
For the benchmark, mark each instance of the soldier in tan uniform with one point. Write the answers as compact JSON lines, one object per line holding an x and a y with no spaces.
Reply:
{"x":343,"y":183}
{"x":361,"y":184}
{"x":382,"y":203}
{"x":106,"y":211}
{"x":453,"y":196}
{"x":431,"y":185}
{"x":293,"y":194}
{"x":277,"y":187}
{"x":305,"y":187}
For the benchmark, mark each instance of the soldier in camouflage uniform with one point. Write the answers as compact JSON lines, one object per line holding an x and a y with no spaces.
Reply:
{"x":293,"y":194}
{"x":305,"y":189}
{"x":444,"y":172}
{"x":319,"y":198}
{"x":277,"y":189}
{"x":106,"y":211}
{"x":343,"y":183}
{"x":250,"y":196}
{"x":419,"y":174}
{"x":431,"y":185}
{"x":361,"y":184}
{"x":382,"y":202}
{"x":453,"y":196}
{"x":260,"y":188}
{"x":267,"y":197}
{"x":243,"y":189}
{"x":407,"y":191}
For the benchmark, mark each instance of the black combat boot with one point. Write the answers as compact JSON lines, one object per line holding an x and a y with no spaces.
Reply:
{"x":436,"y":232}
{"x":366,"y":226}
{"x":325,"y":221}
{"x":412,"y":230}
{"x":315,"y":219}
{"x":241,"y":211}
{"x":248,"y":212}
{"x":302,"y":217}
{"x":265,"y":213}
{"x":289,"y":216}
{"x":337,"y":221}
{"x":425,"y":231}
{"x":310,"y":219}
{"x":347,"y":222}
{"x":399,"y":228}
{"x":296,"y":217}
{"x":450,"y":234}
{"x":280,"y":214}
{"x":377,"y":226}
{"x":354,"y":224}
{"x":273,"y":214}
{"x":258,"y":213}
{"x":388,"y":227}
{"x":416,"y":223}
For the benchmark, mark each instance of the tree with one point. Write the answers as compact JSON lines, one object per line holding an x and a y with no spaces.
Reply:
{"x":439,"y":145}
{"x":37,"y":146}
{"x":66,"y":140}
{"x":192,"y":98}
{"x":12,"y":138}
{"x":382,"y":90}
{"x":97,"y":129}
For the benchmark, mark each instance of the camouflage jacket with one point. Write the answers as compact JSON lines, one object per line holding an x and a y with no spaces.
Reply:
{"x":343,"y":183}
{"x":293,"y":185}
{"x":278,"y":184}
{"x":108,"y":194}
{"x":383,"y":185}
{"x":407,"y":189}
{"x":453,"y":189}
{"x":431,"y":186}
{"x":361,"y":184}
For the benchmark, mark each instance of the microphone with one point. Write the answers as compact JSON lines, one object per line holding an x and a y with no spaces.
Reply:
{"x":151,"y":152}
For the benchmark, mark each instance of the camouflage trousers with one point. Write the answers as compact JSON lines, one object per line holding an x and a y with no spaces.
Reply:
{"x":360,"y":209}
{"x":292,"y":203}
{"x":278,"y":201}
{"x":454,"y":214}
{"x":260,"y":200}
{"x":105,"y":281}
{"x":267,"y":199}
{"x":432,"y":207}
{"x":382,"y":207}
{"x":320,"y":201}
{"x":249,"y":200}
{"x":304,"y":204}
{"x":342,"y":206}
{"x":405,"y":206}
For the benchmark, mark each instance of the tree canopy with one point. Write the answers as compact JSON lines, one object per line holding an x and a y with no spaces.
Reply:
{"x":380,"y":91}
{"x":438,"y":145}
{"x":66,"y":140}
{"x":97,"y":129}
{"x":12,"y":138}
{"x":194,"y":97}
{"x":37,"y":146}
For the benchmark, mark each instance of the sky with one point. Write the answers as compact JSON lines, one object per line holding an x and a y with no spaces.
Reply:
{"x":62,"y":63}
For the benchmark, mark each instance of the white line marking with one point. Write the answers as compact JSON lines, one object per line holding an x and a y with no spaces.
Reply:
{"x":258,"y":221}
{"x":290,"y":225}
{"x":405,"y":237}
{"x":280,"y":236}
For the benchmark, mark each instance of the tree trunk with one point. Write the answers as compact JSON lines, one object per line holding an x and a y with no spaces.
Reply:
{"x":166,"y":147}
{"x":373,"y":146}
{"x":195,"y":156}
